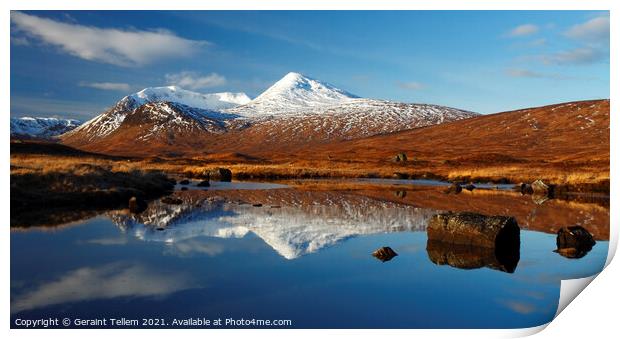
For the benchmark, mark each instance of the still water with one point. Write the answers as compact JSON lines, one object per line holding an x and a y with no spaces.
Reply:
{"x":283,"y":253}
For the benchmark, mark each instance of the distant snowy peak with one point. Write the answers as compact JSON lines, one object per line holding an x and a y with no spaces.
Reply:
{"x":41,"y":127}
{"x":210,"y":101}
{"x":293,"y":93}
{"x":107,"y":122}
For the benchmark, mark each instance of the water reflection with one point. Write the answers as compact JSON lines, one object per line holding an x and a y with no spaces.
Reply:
{"x":471,"y":257}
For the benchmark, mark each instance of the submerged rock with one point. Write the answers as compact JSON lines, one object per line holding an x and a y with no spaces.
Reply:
{"x":474,"y":229}
{"x":454,"y":188}
{"x":384,"y":254}
{"x":184,"y":188}
{"x":574,"y":241}
{"x":137,"y":205}
{"x":184,"y":182}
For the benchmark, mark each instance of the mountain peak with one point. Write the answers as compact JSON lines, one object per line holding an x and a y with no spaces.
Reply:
{"x":293,"y":93}
{"x":209,"y":101}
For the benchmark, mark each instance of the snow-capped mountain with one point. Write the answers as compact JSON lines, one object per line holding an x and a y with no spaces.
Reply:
{"x":208,"y":101}
{"x":108,"y":121}
{"x":295,"y":111}
{"x":45,"y":128}
{"x":292,"y":94}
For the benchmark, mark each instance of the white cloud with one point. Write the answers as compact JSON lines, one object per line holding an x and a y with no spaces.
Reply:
{"x":411,"y":85}
{"x":105,"y":282}
{"x":591,"y":31}
{"x":523,"y":30}
{"x":107,"y":86}
{"x":107,"y":45}
{"x":581,"y":55}
{"x":525,"y":73}
{"x":193,"y":80}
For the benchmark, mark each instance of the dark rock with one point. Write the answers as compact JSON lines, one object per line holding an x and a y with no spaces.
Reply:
{"x":473,"y":257}
{"x":221,"y":174}
{"x":470,"y":187}
{"x":454,"y":188}
{"x":137,"y":205}
{"x":384,"y":254}
{"x":473,"y":229}
{"x":184,"y":188}
{"x":204,"y":183}
{"x":184,"y":182}
{"x":257,"y":205}
{"x":574,"y":242}
{"x":171,"y":201}
{"x":400,"y":157}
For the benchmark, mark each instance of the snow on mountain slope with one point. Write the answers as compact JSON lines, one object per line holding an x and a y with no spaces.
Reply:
{"x":107,"y":122}
{"x":355,"y":118}
{"x":209,"y":101}
{"x":292,"y":94}
{"x":41,"y":127}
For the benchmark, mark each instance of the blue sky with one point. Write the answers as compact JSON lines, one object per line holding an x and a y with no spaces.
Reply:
{"x":76,"y":64}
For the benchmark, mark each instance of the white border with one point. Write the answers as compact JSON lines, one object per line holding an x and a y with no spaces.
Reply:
{"x":593,"y":313}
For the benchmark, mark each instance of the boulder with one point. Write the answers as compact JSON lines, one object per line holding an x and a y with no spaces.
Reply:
{"x":472,"y":229}
{"x":184,"y":182}
{"x":400,"y":157}
{"x":204,"y":183}
{"x":137,"y":205}
{"x":473,"y":257}
{"x":171,"y":201}
{"x":454,"y":188}
{"x":384,"y":254}
{"x":257,"y":205}
{"x":221,"y":174}
{"x":574,"y":241}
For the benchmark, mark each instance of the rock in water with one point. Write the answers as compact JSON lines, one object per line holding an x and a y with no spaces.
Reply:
{"x":204,"y":183}
{"x":137,"y":205}
{"x":221,"y":174}
{"x":470,"y":187}
{"x":574,"y":241}
{"x":474,"y":229}
{"x":184,"y":182}
{"x":454,"y":188}
{"x":384,"y":254}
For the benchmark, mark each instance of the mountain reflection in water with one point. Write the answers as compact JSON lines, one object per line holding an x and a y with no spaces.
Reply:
{"x":239,"y":252}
